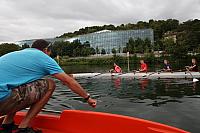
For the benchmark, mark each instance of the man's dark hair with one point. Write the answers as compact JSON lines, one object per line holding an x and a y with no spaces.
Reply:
{"x":40,"y":44}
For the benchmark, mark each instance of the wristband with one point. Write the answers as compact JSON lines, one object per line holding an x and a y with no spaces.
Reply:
{"x":87,"y":98}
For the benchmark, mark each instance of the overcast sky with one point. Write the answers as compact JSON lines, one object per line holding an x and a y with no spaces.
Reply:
{"x":28,"y":19}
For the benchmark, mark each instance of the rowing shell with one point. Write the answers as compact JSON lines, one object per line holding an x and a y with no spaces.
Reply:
{"x":149,"y":75}
{"x":74,"y":121}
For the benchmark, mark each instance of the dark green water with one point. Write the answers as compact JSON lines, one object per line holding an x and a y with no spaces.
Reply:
{"x":173,"y":102}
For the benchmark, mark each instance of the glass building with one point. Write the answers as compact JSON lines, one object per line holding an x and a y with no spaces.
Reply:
{"x":114,"y":39}
{"x":30,"y":42}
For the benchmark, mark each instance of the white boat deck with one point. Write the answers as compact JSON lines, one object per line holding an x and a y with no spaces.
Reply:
{"x":150,"y":75}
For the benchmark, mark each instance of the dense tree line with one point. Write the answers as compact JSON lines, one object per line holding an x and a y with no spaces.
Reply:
{"x":159,"y":27}
{"x":72,"y":49}
{"x":138,"y":46}
{"x":11,"y":47}
{"x":6,"y":48}
{"x":187,"y":35}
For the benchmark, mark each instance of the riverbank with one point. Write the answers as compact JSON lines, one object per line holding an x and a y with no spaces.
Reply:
{"x":150,"y":59}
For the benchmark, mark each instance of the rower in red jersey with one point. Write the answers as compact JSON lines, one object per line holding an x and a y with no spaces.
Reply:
{"x":116,"y":69}
{"x":143,"y":66}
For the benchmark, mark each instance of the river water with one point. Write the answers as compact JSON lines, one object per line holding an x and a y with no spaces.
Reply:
{"x":173,"y":102}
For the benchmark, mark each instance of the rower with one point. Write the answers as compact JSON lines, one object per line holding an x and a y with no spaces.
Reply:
{"x":116,"y":69}
{"x":193,"y":67}
{"x":143,"y":66}
{"x":167,"y":66}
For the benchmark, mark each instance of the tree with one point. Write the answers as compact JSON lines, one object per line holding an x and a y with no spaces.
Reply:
{"x":178,"y":49}
{"x":119,"y":49}
{"x":103,"y":51}
{"x":139,"y":45}
{"x":109,"y":27}
{"x":92,"y":51}
{"x":25,"y":45}
{"x":130,"y":46}
{"x":72,"y":49}
{"x":114,"y":51}
{"x":7,"y":48}
{"x":169,"y":46}
{"x":181,"y":47}
{"x":147,"y":45}
{"x":60,"y":48}
{"x":86,"y":44}
{"x":158,"y":45}
{"x":125,"y":50}
{"x":97,"y":50}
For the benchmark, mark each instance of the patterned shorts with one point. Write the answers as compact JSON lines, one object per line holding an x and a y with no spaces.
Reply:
{"x":24,"y":96}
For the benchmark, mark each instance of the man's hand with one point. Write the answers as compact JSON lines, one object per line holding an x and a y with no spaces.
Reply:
{"x":92,"y":102}
{"x":75,"y":87}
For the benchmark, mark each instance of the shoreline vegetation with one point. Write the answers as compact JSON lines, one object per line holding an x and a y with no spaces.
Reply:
{"x":150,"y":59}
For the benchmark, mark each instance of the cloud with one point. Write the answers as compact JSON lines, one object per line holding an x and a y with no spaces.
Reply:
{"x":26,"y":19}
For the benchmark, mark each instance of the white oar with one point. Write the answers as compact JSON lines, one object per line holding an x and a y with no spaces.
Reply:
{"x":136,"y":71}
{"x":117,"y":74}
{"x":149,"y":74}
{"x":152,"y":73}
{"x":89,"y":77}
{"x":193,"y":79}
{"x":95,"y":75}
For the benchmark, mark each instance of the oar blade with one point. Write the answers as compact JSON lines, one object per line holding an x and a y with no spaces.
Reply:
{"x":195,"y":80}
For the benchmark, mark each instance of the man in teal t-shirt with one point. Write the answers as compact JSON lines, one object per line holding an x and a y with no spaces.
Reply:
{"x":22,"y":86}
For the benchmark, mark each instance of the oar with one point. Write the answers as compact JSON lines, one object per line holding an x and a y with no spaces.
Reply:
{"x":152,"y":73}
{"x":149,"y":74}
{"x":117,"y":74}
{"x":95,"y":75}
{"x":136,"y":71}
{"x":193,"y":79}
{"x":180,"y":70}
{"x":86,"y":78}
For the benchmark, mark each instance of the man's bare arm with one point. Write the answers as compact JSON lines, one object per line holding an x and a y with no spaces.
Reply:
{"x":74,"y":86}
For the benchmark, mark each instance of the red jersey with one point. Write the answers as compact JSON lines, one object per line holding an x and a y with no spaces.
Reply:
{"x":143,"y":67}
{"x":118,"y":69}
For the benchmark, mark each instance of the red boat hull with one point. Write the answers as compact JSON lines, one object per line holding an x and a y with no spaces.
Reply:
{"x":73,"y":121}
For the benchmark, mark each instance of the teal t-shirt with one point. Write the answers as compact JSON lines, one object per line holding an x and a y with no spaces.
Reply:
{"x":21,"y":67}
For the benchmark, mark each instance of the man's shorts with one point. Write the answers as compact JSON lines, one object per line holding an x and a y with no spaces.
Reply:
{"x":24,"y":96}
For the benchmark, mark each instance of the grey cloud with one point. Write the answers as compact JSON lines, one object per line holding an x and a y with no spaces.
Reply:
{"x":24,"y":19}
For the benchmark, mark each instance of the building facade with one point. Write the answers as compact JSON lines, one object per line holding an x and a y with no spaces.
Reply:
{"x":114,"y":39}
{"x":30,"y":42}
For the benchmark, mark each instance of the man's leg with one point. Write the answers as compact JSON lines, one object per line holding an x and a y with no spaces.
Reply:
{"x":34,"y":95}
{"x":7,"y":106}
{"x":37,"y":107}
{"x":8,"y":118}
{"x":1,"y":119}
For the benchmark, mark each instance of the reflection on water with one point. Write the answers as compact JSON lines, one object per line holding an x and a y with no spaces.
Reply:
{"x":174,"y":102}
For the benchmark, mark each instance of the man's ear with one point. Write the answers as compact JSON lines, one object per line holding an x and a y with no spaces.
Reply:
{"x":45,"y":50}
